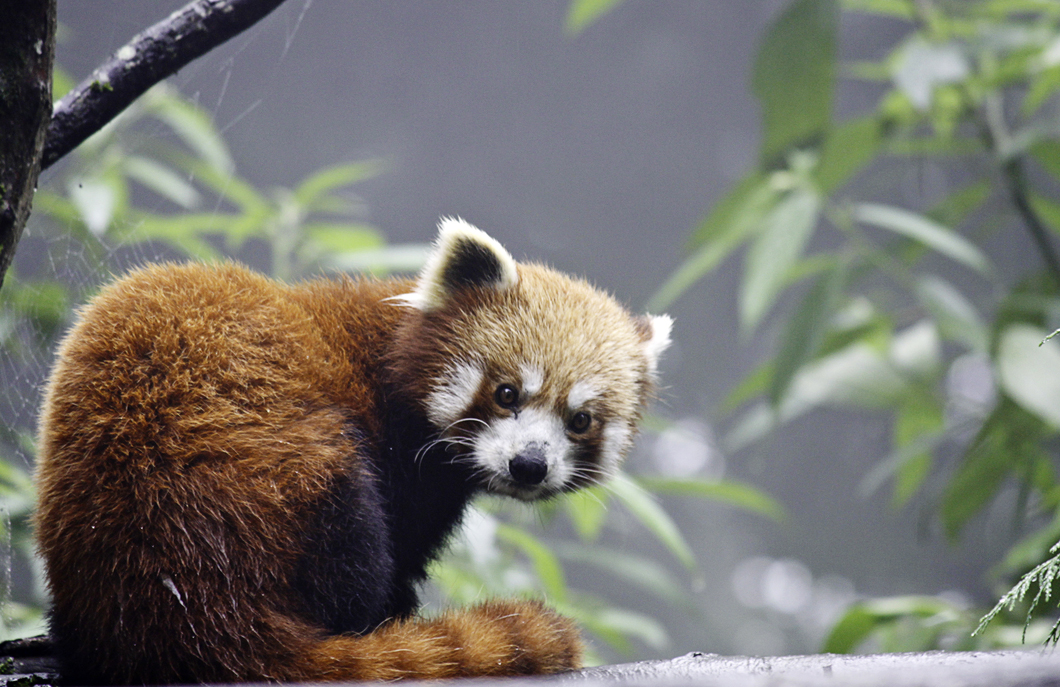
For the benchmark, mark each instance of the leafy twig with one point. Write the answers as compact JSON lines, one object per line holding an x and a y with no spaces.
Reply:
{"x":1043,"y":575}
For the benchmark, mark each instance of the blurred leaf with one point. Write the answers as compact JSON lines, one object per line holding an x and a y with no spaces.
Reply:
{"x":744,"y":205}
{"x":632,"y":568}
{"x":96,"y":202}
{"x":400,"y":258}
{"x":726,"y":491}
{"x":903,"y":9}
{"x":752,"y":386}
{"x":905,"y":466}
{"x":313,"y":189}
{"x":193,"y":125}
{"x":162,"y":180}
{"x":229,"y":186}
{"x":633,"y":624}
{"x":732,"y":220}
{"x":956,"y":317}
{"x":805,"y":330}
{"x":1047,"y":153}
{"x":336,"y":237}
{"x":1008,"y":438}
{"x":916,"y":352}
{"x":775,"y":251}
{"x":847,"y":149}
{"x":919,"y":425}
{"x":922,"y":66}
{"x":1043,"y":86}
{"x":1028,"y":370}
{"x":856,"y":375}
{"x":546,"y":566}
{"x":920,"y":228}
{"x":794,"y":77}
{"x":587,"y":510}
{"x":955,"y":208}
{"x":1029,"y":551}
{"x":582,"y":13}
{"x":862,"y":619}
{"x":1047,"y":210}
{"x":641,"y":504}
{"x":56,"y":206}
{"x":853,"y":628}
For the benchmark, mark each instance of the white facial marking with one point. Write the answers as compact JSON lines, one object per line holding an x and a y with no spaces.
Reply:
{"x":581,"y":393}
{"x":533,"y":378}
{"x":617,"y":436}
{"x":453,"y":396}
{"x":496,"y":445}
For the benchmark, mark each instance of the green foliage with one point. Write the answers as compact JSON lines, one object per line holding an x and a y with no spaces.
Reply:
{"x":906,"y":300}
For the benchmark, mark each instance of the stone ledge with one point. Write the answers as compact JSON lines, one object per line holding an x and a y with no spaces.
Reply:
{"x":31,"y":661}
{"x":1027,"y":668}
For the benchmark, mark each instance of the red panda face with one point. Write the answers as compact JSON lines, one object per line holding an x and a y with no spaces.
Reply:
{"x":535,"y":379}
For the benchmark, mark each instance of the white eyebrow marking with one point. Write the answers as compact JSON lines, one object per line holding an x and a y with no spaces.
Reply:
{"x":581,"y":393}
{"x":454,"y":394}
{"x":533,"y":378}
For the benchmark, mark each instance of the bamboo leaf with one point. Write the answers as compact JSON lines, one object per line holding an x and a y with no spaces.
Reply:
{"x":902,"y":9}
{"x":194,"y":126}
{"x":725,"y":491}
{"x":587,"y":510}
{"x":1028,"y":368}
{"x":920,"y":228}
{"x":312,"y":190}
{"x":400,"y":258}
{"x":633,"y":569}
{"x":956,"y":317}
{"x":794,"y":77}
{"x":163,"y":181}
{"x":847,"y":149}
{"x":1047,"y":153}
{"x":641,"y":504}
{"x":582,"y":13}
{"x":546,"y":565}
{"x":732,"y":220}
{"x":806,"y":330}
{"x":772,"y":255}
{"x":1047,"y":209}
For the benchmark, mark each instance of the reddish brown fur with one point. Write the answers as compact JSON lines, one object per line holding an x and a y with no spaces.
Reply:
{"x":196,"y":419}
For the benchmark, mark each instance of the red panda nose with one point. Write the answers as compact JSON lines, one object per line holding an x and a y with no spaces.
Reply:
{"x":530,"y":466}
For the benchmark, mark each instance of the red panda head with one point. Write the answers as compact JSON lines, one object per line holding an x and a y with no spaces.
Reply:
{"x":536,"y":378}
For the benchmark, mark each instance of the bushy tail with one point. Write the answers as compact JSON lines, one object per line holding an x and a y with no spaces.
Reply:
{"x":494,"y":638}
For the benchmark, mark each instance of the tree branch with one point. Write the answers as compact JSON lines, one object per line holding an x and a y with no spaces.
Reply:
{"x":150,"y":57}
{"x":27,"y":50}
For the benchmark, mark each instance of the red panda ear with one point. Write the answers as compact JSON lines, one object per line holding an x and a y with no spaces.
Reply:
{"x":654,"y":333}
{"x":463,"y":257}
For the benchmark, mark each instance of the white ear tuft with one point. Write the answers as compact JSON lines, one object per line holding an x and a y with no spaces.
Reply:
{"x":658,"y":340}
{"x":463,"y":256}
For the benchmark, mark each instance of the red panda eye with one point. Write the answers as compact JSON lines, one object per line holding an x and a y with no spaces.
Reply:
{"x":580,"y":422}
{"x":506,"y":396}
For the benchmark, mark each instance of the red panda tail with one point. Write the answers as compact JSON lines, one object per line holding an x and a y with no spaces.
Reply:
{"x":495,"y":638}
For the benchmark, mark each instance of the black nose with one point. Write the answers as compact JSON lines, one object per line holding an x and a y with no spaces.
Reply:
{"x":529,"y":467}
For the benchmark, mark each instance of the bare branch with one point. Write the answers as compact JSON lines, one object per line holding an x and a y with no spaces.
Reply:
{"x":147,"y":59}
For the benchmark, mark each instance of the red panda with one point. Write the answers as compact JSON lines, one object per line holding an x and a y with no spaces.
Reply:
{"x":242,"y":480}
